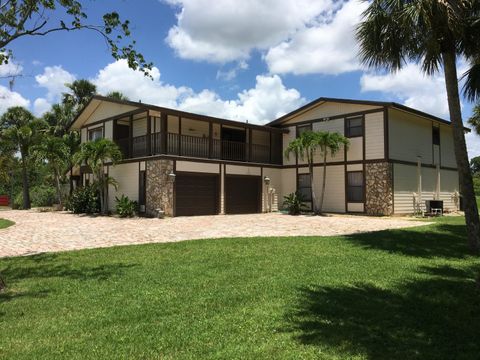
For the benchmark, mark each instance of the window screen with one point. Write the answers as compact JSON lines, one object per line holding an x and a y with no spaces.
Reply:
{"x":354,"y":126}
{"x":355,"y":187}
{"x":95,"y":134}
{"x":305,"y":186}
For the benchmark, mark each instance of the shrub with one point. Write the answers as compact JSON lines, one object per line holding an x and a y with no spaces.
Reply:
{"x":84,"y":200}
{"x":126,"y":207}
{"x":40,"y":196}
{"x":294,"y":203}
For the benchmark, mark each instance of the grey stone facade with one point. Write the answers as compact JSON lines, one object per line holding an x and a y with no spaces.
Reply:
{"x":159,"y":188}
{"x":378,"y":188}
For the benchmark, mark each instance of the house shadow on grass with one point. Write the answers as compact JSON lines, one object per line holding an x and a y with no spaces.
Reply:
{"x":444,"y":240}
{"x":434,"y":317}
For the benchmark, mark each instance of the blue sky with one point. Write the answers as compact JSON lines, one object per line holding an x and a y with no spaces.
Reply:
{"x":249,"y":60}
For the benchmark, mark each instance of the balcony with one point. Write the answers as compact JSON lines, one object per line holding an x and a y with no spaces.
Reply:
{"x":198,"y":147}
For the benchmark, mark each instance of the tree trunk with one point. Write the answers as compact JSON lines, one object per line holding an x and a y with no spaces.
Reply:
{"x":323,"y":180}
{"x":59,"y":190}
{"x":314,"y":196}
{"x":461,"y":155}
{"x":26,"y":185}
{"x":100,"y":190}
{"x":71,"y":181}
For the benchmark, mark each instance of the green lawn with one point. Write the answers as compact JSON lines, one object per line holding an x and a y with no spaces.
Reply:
{"x":400,"y":294}
{"x":5,"y":223}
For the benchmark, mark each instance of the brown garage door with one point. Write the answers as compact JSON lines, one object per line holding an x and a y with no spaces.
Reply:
{"x":196,"y":194}
{"x":242,"y":194}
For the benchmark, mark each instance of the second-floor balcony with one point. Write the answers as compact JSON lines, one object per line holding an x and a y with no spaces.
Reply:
{"x":198,"y":147}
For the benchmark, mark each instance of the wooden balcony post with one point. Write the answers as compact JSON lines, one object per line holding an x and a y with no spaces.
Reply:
{"x":163,"y":133}
{"x":149,"y":135}
{"x":210,"y":139}
{"x":130,"y":137}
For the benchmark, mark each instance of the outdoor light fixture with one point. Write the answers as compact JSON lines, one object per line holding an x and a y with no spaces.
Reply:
{"x":266,"y":180}
{"x":172,"y":176}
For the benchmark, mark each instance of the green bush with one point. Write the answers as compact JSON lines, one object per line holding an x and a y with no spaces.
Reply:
{"x":84,"y":200}
{"x":476,"y":184}
{"x":294,"y":203}
{"x":126,"y":207}
{"x":40,"y":196}
{"x":43,"y":195}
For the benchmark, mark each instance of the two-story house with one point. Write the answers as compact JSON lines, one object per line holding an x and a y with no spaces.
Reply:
{"x":189,"y":164}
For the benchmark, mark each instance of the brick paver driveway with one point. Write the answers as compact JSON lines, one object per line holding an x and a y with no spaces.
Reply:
{"x":36,"y":232}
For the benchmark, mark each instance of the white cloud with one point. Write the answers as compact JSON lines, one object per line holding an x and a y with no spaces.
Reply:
{"x":473,"y":144}
{"x":41,"y":106}
{"x":54,"y":79}
{"x":10,"y":98}
{"x":11,"y":69}
{"x":328,"y":46}
{"x":228,"y":75}
{"x":231,"y":29}
{"x":265,"y":102}
{"x":412,"y":87}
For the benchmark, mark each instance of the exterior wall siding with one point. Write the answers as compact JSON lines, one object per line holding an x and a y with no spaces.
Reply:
{"x":334,"y":200}
{"x":108,"y":130}
{"x":286,"y":140}
{"x":374,"y":136}
{"x":126,"y":176}
{"x":106,"y":110}
{"x":409,"y":137}
{"x":194,"y":166}
{"x":447,"y":151}
{"x":328,"y":109}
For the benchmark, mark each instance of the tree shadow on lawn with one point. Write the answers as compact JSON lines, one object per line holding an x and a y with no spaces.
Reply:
{"x":437,"y":317}
{"x":443,"y":240}
{"x":44,"y":266}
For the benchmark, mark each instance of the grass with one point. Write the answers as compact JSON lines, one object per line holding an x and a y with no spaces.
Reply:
{"x":5,"y":223}
{"x":399,"y":294}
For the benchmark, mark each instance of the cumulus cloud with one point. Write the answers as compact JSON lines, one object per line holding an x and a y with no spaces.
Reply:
{"x":41,"y":106}
{"x":268,"y":100}
{"x":231,"y":29}
{"x":10,"y":98}
{"x":13,"y":68}
{"x":328,"y":46}
{"x":412,"y":87}
{"x":54,"y":79}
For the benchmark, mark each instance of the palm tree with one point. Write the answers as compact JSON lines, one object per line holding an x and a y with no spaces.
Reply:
{"x":72,"y":143}
{"x":306,"y":147}
{"x":53,"y":151}
{"x":20,"y":130}
{"x":95,"y":154}
{"x":434,"y":33}
{"x":81,"y":91}
{"x":59,"y":118}
{"x":474,"y":120}
{"x":117,"y":95}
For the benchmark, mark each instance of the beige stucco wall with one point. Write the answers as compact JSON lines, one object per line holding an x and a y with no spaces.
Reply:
{"x":335,"y":187}
{"x":191,"y":166}
{"x":409,"y":136}
{"x":328,"y":109}
{"x":374,"y":136}
{"x":195,"y":127}
{"x":127,"y":177}
{"x":106,"y":110}
{"x":108,"y":130}
{"x":355,"y":149}
{"x":275,"y":176}
{"x":243,"y":170}
{"x":446,"y":147}
{"x":288,"y":184}
{"x":406,"y":183}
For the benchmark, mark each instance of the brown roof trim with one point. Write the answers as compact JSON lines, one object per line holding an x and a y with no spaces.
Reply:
{"x":179,"y":113}
{"x":361,"y":102}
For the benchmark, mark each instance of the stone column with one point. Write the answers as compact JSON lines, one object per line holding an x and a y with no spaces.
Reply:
{"x":159,"y":189}
{"x":378,"y":188}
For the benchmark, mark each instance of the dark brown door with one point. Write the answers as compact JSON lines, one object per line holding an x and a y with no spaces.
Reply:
{"x":242,"y":194}
{"x":196,"y":194}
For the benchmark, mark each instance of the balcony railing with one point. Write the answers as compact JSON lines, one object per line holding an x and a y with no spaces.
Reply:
{"x":200,"y":147}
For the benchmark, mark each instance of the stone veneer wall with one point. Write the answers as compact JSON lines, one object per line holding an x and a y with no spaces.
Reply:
{"x":379,"y":188}
{"x":159,"y":188}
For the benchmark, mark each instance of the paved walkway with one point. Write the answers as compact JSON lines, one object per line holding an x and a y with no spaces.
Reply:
{"x":36,"y":232}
